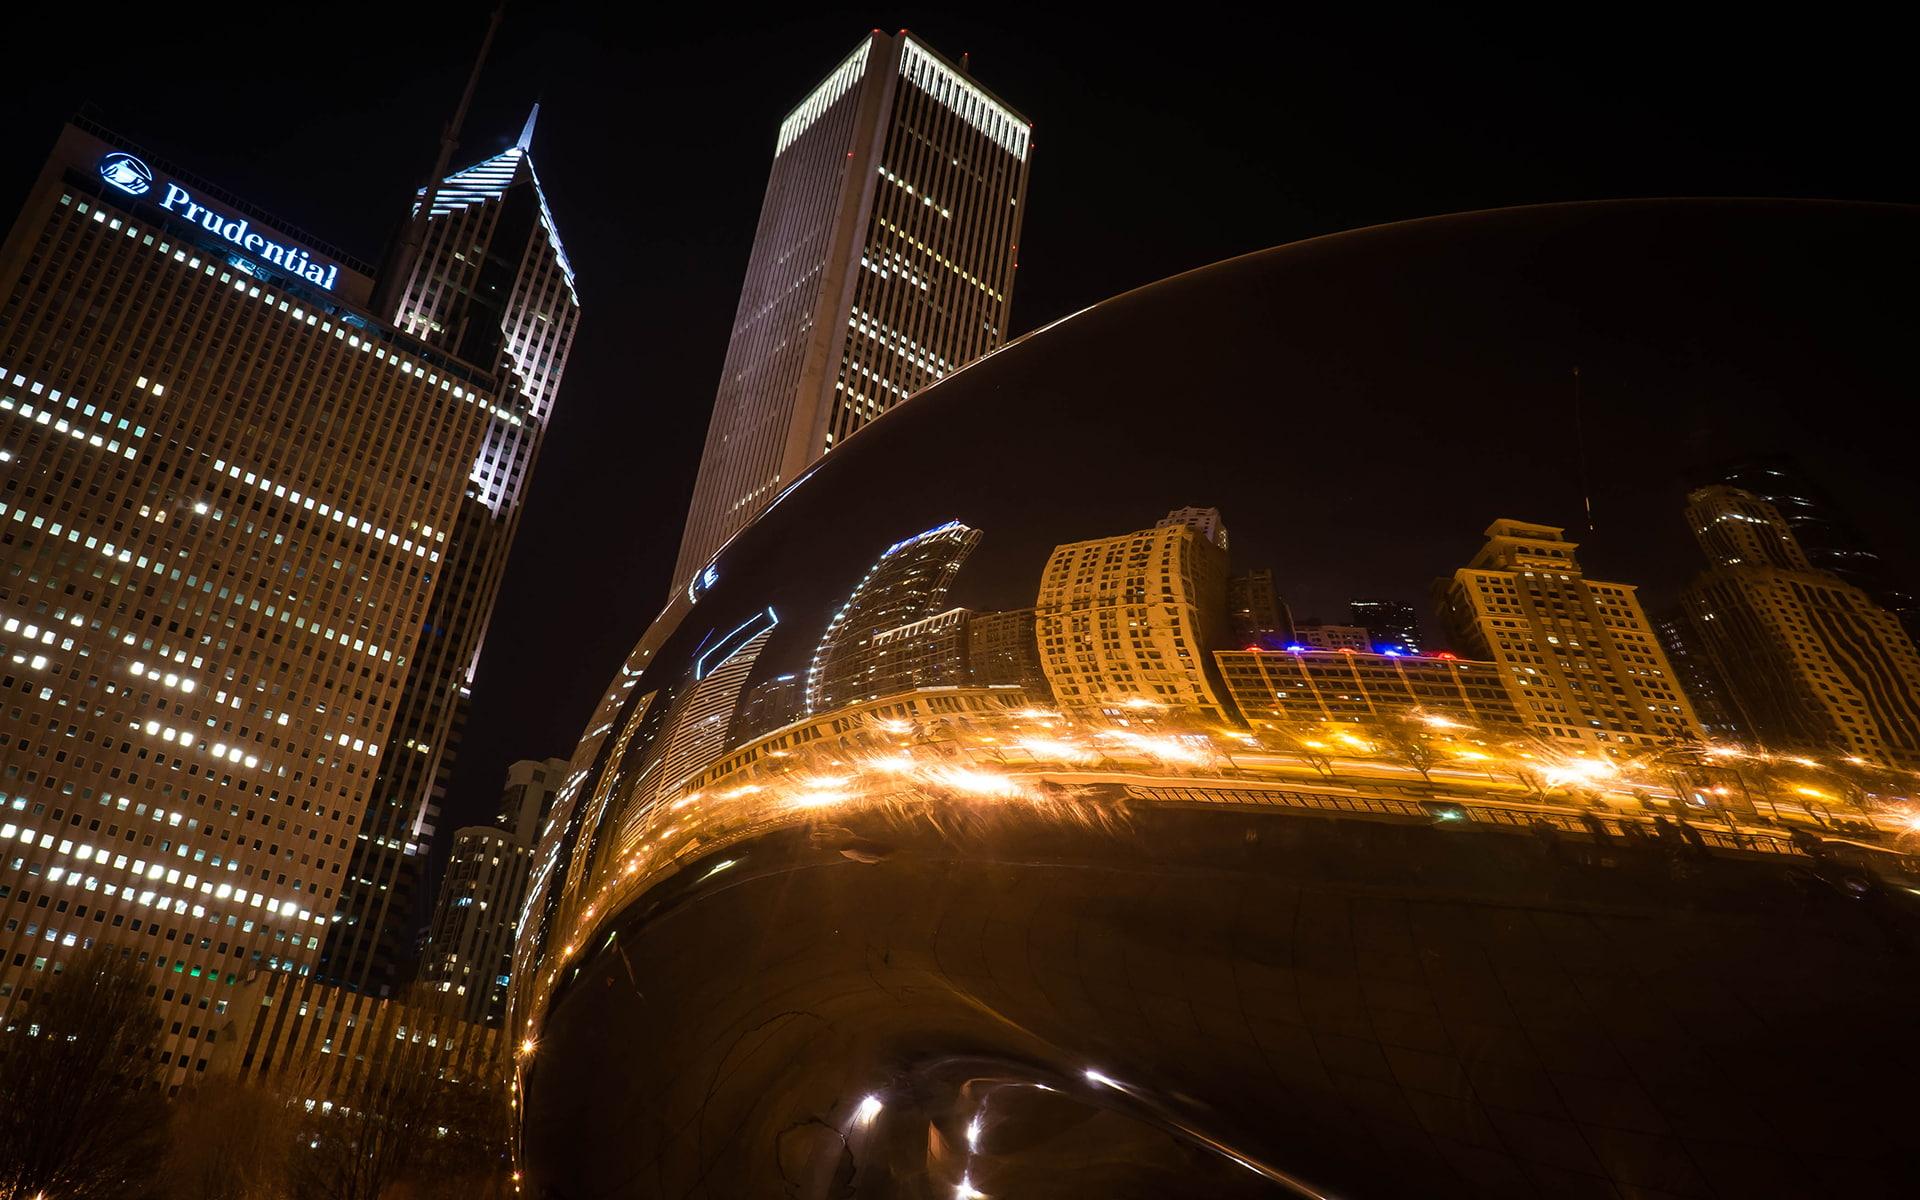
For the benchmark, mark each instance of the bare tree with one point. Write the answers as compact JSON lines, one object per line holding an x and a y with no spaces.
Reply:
{"x":227,"y":1141}
{"x":398,"y":1114}
{"x":1309,"y":751}
{"x":1408,"y":743}
{"x":80,"y":1106}
{"x":1530,"y":779}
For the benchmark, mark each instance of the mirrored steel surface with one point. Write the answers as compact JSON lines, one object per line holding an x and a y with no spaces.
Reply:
{"x":882,"y":874}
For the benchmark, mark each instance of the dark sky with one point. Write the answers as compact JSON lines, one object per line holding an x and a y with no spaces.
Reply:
{"x":1161,"y":145}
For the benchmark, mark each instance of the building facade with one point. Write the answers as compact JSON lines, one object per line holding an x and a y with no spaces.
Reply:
{"x":1281,"y":688}
{"x":1125,"y":624}
{"x":493,"y":286}
{"x":469,"y":950}
{"x":1810,"y":661}
{"x":883,"y":261}
{"x":227,"y":494}
{"x":1579,"y":656}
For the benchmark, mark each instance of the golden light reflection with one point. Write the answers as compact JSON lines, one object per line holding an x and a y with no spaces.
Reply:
{"x":1038,"y":760}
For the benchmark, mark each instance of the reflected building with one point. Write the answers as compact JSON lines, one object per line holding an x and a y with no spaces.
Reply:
{"x":1579,"y":655}
{"x":1125,"y":624}
{"x":1810,"y":661}
{"x":1830,"y":539}
{"x":883,"y":261}
{"x":1699,"y":678}
{"x":772,"y":703}
{"x":702,"y":713}
{"x":930,"y":652}
{"x":1256,"y":613}
{"x":1316,"y":635}
{"x":959,"y":647}
{"x":1002,"y":650}
{"x":1303,"y":687}
{"x":908,"y":582}
{"x":469,"y":948}
{"x":1391,"y":625}
{"x":492,"y":285}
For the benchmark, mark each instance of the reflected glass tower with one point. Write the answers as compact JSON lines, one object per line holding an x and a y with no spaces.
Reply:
{"x":492,"y":285}
{"x":908,"y":582}
{"x":883,"y":261}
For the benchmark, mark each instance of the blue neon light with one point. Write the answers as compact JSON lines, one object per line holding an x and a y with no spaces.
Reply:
{"x":134,"y":177}
{"x":127,"y":173}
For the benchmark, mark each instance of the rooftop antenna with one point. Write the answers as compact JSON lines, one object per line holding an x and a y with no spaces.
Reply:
{"x":1580,"y":446}
{"x":399,"y":268}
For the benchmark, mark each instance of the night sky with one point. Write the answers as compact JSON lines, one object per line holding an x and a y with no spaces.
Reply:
{"x":1160,"y":146}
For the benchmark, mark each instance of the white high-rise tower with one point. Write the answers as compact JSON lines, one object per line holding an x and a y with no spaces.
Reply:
{"x":883,"y":261}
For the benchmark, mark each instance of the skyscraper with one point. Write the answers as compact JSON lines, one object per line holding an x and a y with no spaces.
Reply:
{"x":1579,"y":656}
{"x":493,"y":286}
{"x":228,"y":495}
{"x":1392,"y":625}
{"x":470,"y":943}
{"x":1126,"y":624}
{"x":883,"y":261}
{"x":1810,"y":661}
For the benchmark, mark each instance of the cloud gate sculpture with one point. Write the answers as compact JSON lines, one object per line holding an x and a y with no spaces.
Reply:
{"x":978,"y":825}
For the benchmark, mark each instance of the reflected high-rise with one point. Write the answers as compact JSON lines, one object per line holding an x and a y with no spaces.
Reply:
{"x":1126,"y":624}
{"x":883,"y":261}
{"x":1809,"y":660}
{"x":1580,"y":656}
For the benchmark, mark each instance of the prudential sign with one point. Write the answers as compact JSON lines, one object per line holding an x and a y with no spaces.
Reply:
{"x":135,"y":178}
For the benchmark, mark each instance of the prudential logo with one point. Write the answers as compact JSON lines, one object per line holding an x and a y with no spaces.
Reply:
{"x":127,"y":173}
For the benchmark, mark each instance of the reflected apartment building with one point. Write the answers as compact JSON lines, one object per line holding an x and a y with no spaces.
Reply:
{"x":1301,"y":688}
{"x":230,"y":496}
{"x":1125,"y":623}
{"x":1579,"y":654}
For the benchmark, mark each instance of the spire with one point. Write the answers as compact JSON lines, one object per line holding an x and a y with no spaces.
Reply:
{"x":526,"y":131}
{"x":398,"y":269}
